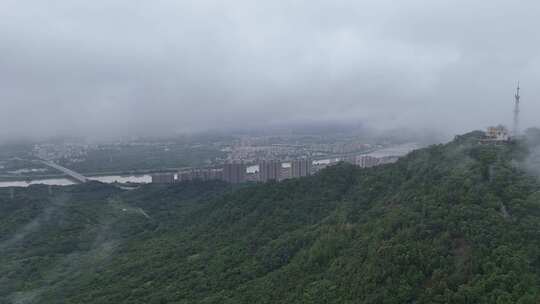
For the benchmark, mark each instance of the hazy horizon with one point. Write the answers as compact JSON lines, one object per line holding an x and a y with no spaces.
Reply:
{"x":121,"y":68}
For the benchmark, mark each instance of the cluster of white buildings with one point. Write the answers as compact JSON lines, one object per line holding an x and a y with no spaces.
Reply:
{"x":368,"y":161}
{"x":72,"y":152}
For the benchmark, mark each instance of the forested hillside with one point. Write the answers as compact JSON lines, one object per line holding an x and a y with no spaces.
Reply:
{"x":454,"y":223}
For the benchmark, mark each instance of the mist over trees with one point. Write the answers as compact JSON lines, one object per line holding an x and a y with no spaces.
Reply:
{"x":453,"y":223}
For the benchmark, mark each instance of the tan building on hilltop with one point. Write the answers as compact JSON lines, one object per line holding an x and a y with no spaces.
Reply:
{"x":497,"y":134}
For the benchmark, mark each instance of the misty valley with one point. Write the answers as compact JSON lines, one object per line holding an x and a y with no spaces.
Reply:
{"x":452,"y":223}
{"x":269,"y":152}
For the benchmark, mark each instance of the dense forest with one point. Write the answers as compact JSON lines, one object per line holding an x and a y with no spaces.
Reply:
{"x":452,"y":223}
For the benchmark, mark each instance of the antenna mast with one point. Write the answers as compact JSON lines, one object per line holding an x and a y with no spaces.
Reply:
{"x":516,"y":111}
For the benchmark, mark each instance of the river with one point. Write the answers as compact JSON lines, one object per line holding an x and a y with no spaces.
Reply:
{"x":145,"y":178}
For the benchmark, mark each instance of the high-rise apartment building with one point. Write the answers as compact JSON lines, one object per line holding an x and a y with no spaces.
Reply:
{"x":301,"y":167}
{"x":366,"y":161}
{"x":269,"y":170}
{"x":163,"y":178}
{"x":234,"y":173}
{"x":203,"y":174}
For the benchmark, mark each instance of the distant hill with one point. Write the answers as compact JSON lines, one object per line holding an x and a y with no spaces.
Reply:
{"x":453,"y":223}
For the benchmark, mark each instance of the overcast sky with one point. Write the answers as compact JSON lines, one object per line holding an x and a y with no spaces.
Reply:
{"x":160,"y":66}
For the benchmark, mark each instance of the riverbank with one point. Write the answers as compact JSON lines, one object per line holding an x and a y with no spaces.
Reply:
{"x":63,"y":181}
{"x":34,"y":177}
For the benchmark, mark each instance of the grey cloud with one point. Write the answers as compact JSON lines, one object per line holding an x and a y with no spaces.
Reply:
{"x":122,"y":67}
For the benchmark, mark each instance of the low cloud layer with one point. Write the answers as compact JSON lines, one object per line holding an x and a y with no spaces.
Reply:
{"x":150,"y":67}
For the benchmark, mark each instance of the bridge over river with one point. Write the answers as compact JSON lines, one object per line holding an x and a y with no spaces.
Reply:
{"x":77,"y":177}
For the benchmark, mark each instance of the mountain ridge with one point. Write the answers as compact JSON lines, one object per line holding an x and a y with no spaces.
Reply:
{"x":452,"y":223}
